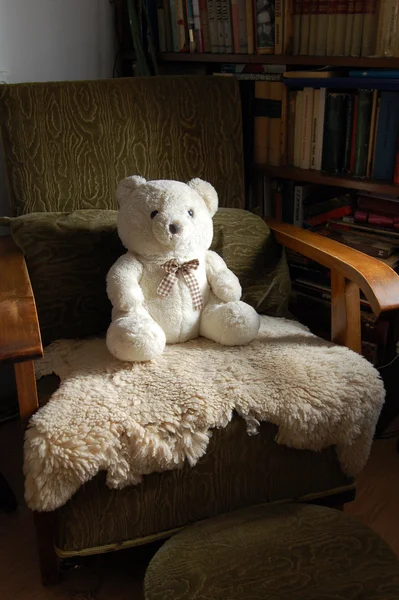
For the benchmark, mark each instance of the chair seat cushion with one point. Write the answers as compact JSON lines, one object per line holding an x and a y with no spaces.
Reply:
{"x":292,"y":551}
{"x":237,"y":470}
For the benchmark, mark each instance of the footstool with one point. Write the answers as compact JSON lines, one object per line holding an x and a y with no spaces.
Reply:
{"x":279,"y":552}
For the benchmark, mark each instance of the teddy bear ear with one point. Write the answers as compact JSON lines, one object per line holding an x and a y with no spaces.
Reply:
{"x":207,"y":193}
{"x":126,"y":186}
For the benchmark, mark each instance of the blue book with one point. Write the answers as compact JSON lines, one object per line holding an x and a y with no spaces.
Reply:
{"x":340,"y":83}
{"x":387,"y":135}
{"x":376,"y":73}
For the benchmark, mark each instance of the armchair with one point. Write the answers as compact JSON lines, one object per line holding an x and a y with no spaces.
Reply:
{"x":66,"y":146}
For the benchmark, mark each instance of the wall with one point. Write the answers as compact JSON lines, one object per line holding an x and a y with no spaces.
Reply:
{"x":50,"y":40}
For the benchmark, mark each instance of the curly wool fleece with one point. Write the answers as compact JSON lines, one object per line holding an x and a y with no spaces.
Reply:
{"x":131,"y":419}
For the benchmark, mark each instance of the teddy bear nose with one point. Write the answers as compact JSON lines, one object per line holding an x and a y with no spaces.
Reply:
{"x":174,"y":228}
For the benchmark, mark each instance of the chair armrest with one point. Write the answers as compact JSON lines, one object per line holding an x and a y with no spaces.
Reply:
{"x":20,"y":338}
{"x":378,"y":282}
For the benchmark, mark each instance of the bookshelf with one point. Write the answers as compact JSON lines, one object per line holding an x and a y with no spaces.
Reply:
{"x":275,"y":59}
{"x":320,"y":178}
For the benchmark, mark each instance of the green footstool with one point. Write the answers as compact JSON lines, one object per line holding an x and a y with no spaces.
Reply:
{"x":280,"y":552}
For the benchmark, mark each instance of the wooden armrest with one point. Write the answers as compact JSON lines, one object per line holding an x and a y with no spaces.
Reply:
{"x":19,"y":326}
{"x":378,"y":282}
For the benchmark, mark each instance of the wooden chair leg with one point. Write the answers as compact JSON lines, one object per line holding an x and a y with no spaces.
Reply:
{"x":49,"y":561}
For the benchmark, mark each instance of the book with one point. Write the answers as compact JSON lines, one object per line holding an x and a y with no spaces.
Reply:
{"x":288,"y":27}
{"x":313,"y":141}
{"x":242,"y":27}
{"x":250,"y":26}
{"x":261,"y":122}
{"x":298,"y":128}
{"x":291,"y":127}
{"x":350,"y":105}
{"x":375,"y":73}
{"x":309,"y":74}
{"x":365,"y":101}
{"x":205,"y":27}
{"x":213,"y":29}
{"x":219,"y":26}
{"x":305,"y":28}
{"x":264,"y":26}
{"x":320,"y":116}
{"x":372,"y":136}
{"x":278,"y":27}
{"x":369,"y":28}
{"x":334,"y":132}
{"x":321,"y":28}
{"x":301,"y":192}
{"x":349,"y":26}
{"x":235,"y":26}
{"x":357,"y":28}
{"x":387,"y":135}
{"x":274,"y":110}
{"x":313,"y":14}
{"x":296,"y":26}
{"x":340,"y":27}
{"x":306,"y":128}
{"x":227,"y":26}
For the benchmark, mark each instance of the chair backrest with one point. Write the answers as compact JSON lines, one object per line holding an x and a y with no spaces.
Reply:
{"x":67,"y":144}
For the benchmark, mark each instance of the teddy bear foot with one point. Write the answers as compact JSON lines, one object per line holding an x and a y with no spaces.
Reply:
{"x":231,"y":324}
{"x":133,"y":341}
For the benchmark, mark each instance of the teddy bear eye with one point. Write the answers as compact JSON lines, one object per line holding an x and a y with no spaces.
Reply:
{"x":154,"y":214}
{"x":191,"y":212}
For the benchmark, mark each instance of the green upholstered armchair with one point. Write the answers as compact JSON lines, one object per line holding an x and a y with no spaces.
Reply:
{"x":66,"y":147}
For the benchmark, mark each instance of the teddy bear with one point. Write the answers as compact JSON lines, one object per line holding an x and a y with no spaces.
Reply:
{"x":169,"y":287}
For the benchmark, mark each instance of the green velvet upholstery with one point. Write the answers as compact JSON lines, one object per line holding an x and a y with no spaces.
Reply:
{"x":282,"y":552}
{"x":68,"y":144}
{"x":77,"y":249}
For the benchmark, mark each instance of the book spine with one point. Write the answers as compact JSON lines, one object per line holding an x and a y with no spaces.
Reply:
{"x":278,"y":27}
{"x":181,"y":26}
{"x":264,"y":28}
{"x":261,"y":122}
{"x":365,"y":100}
{"x":381,"y":27}
{"x":161,"y":26}
{"x":396,"y":167}
{"x":275,"y":109}
{"x":321,"y":110}
{"x":227,"y":27}
{"x":348,"y":132}
{"x":213,"y":29}
{"x":357,"y":28}
{"x":174,"y":26}
{"x":199,"y":42}
{"x":298,"y":205}
{"x":333,"y":142}
{"x":291,"y":127}
{"x":219,"y":26}
{"x":349,"y":26}
{"x":191,"y":26}
{"x":371,"y":204}
{"x":313,"y":148}
{"x":242,"y":27}
{"x":288,"y":7}
{"x":392,"y":28}
{"x":372,"y":135}
{"x":250,"y":27}
{"x":206,"y":35}
{"x":340,"y":28}
{"x":321,"y":28}
{"x":235,"y":26}
{"x":298,"y":129}
{"x":314,"y":9}
{"x":283,"y":126}
{"x":387,"y":135}
{"x":168,"y":26}
{"x":305,"y":28}
{"x":306,"y":134}
{"x":369,"y":28}
{"x":296,"y":26}
{"x":336,"y":213}
{"x":331,"y":26}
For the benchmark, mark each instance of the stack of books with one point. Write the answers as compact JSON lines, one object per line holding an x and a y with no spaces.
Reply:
{"x":302,"y":27}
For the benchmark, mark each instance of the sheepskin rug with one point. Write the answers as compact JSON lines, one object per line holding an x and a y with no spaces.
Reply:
{"x":131,"y":419}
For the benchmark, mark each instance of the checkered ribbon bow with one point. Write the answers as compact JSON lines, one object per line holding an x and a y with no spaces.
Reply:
{"x":173,"y":268}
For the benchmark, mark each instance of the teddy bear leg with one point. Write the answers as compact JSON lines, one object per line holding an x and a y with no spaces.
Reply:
{"x":230,"y":323}
{"x":135,"y":339}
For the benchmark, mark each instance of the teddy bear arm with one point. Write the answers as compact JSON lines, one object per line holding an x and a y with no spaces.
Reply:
{"x":224,"y":284}
{"x":123,"y":283}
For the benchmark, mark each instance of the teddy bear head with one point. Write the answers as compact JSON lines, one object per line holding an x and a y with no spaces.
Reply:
{"x":165,"y":218}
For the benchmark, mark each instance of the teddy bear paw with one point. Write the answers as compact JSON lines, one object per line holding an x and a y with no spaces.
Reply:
{"x":133,"y":340}
{"x":231,"y":324}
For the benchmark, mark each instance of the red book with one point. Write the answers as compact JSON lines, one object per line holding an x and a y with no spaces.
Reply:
{"x":378,"y":205}
{"x":337,"y":213}
{"x":353,"y":142}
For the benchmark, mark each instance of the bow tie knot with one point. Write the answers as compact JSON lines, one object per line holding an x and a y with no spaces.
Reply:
{"x":173,"y":268}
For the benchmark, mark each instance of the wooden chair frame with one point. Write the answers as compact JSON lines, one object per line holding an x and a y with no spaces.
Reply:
{"x":20,"y":340}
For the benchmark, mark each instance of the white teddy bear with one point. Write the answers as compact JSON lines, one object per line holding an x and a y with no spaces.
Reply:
{"x":169,"y":287}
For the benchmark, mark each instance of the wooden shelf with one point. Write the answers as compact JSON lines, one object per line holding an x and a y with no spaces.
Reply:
{"x":345,"y":181}
{"x":277,"y":59}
